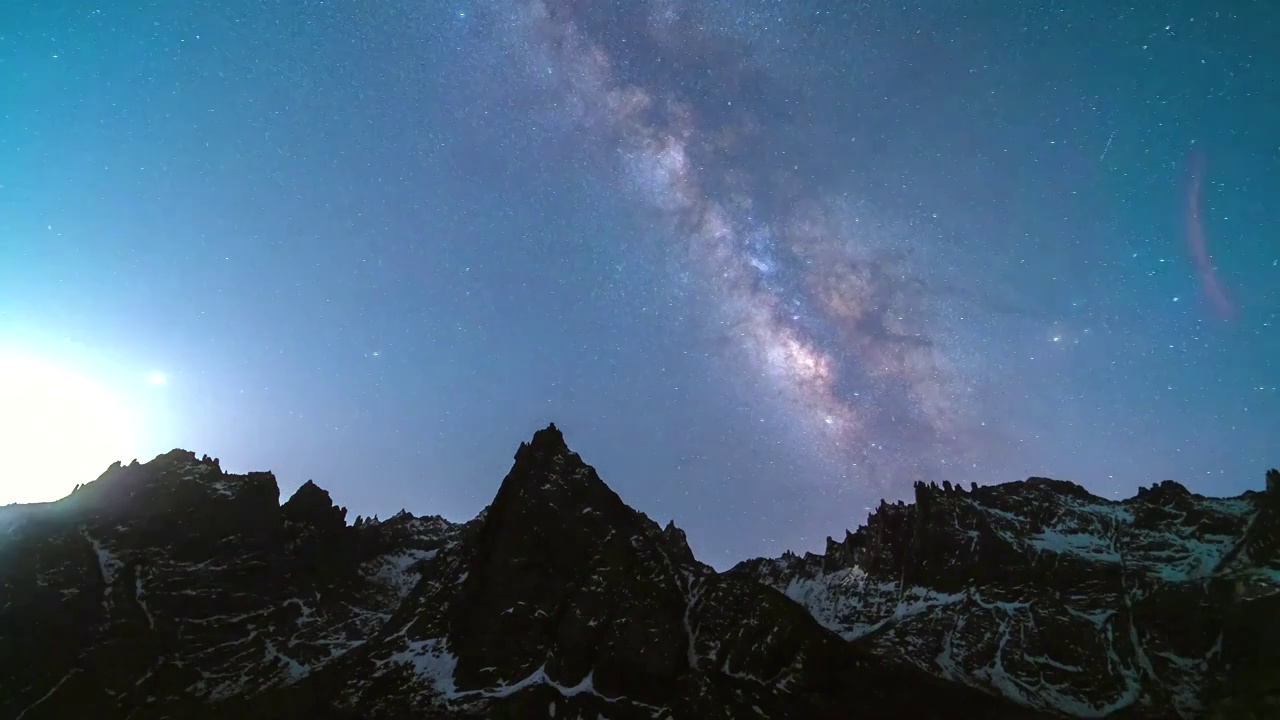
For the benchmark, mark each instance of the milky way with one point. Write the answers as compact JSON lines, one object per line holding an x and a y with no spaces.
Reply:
{"x":830,"y":313}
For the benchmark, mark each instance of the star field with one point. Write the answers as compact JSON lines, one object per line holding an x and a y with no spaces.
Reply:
{"x":764,"y":263}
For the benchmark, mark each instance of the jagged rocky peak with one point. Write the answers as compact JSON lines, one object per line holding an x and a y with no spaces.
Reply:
{"x":548,"y":474}
{"x":550,"y":485}
{"x":1165,"y":492}
{"x":1062,"y":487}
{"x":161,"y":465}
{"x":547,"y":442}
{"x":552,"y":499}
{"x":840,"y":549}
{"x":878,"y":543}
{"x":677,"y":543}
{"x":312,"y":505}
{"x":177,"y":479}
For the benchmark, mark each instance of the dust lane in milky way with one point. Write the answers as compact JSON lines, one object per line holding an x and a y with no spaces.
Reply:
{"x":837,"y":320}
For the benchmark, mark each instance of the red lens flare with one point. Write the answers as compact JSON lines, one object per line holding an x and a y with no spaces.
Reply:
{"x":1197,"y":245}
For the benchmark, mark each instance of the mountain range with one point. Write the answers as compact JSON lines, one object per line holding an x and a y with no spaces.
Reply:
{"x":172,"y":589}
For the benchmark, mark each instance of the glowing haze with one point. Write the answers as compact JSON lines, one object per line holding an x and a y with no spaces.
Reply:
{"x":58,"y":428}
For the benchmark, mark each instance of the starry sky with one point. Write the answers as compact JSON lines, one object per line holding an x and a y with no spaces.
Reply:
{"x":764,"y":263}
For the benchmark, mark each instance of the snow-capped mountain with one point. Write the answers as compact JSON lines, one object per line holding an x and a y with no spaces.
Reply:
{"x":174,"y":590}
{"x":1060,"y":600}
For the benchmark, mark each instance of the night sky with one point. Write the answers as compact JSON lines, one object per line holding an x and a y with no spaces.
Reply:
{"x":763,"y":262}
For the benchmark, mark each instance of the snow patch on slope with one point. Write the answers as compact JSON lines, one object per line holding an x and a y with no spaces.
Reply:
{"x":395,"y":571}
{"x":431,"y":660}
{"x":108,"y":566}
{"x":140,"y":596}
{"x":1076,"y":543}
{"x":832,"y":598}
{"x":218,"y":484}
{"x":108,"y":563}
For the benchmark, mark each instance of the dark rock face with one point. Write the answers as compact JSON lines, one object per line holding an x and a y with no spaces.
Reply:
{"x":1163,"y":605}
{"x":561,"y":601}
{"x":174,"y":590}
{"x":165,"y":587}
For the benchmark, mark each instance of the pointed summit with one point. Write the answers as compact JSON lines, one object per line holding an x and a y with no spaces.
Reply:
{"x":545,"y":468}
{"x":312,"y":505}
{"x":546,"y":443}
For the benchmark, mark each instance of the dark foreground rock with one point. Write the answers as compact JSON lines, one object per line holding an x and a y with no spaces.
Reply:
{"x":175,"y":590}
{"x":172,"y":584}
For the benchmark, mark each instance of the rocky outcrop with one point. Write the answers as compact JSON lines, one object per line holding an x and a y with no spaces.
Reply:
{"x":1062,"y":601}
{"x":171,"y":589}
{"x":165,"y":588}
{"x":174,"y":590}
{"x":1251,"y":642}
{"x":561,"y":601}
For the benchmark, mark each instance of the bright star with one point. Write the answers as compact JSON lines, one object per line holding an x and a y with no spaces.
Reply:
{"x":157,"y":378}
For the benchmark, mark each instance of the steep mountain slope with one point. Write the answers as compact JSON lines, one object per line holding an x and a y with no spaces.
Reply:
{"x":172,"y":589}
{"x":1150,"y":607}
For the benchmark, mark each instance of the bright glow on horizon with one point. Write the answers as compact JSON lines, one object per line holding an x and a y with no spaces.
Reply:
{"x":58,"y":428}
